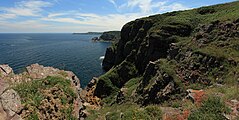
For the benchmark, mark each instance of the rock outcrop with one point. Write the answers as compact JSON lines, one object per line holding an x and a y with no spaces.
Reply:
{"x":10,"y":101}
{"x":109,"y":36}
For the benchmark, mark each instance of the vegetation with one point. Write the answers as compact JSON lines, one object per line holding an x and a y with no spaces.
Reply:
{"x":211,"y":109}
{"x":127,"y":111}
{"x":36,"y":95}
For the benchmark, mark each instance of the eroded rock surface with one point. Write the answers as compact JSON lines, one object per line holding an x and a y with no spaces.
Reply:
{"x":10,"y":102}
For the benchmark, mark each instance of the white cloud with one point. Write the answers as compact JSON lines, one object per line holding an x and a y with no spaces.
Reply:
{"x":111,"y":21}
{"x":113,"y":2}
{"x":24,"y":26}
{"x":151,"y":6}
{"x":27,"y":8}
{"x":75,"y":21}
{"x":7,"y":16}
{"x":172,"y":7}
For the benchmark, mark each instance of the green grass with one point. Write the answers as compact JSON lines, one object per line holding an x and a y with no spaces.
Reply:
{"x":131,"y":85}
{"x":211,"y":109}
{"x":127,"y":111}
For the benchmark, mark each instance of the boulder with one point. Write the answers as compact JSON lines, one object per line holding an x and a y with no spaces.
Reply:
{"x":3,"y":86}
{"x":3,"y":114}
{"x":5,"y":70}
{"x":196,"y":96}
{"x":36,"y":71}
{"x":11,"y":102}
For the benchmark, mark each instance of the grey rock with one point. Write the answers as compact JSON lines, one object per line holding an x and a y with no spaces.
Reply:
{"x":11,"y":101}
{"x":3,"y":86}
{"x":5,"y":70}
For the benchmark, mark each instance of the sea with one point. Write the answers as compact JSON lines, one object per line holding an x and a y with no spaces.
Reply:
{"x":67,"y":51}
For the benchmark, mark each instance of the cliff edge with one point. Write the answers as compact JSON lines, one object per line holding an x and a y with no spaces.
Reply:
{"x":39,"y":93}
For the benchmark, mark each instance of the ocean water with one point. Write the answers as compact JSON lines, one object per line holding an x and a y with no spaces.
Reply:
{"x":66,"y":51}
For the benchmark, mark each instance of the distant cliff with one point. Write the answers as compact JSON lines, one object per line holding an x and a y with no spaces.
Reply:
{"x":161,"y":60}
{"x":108,"y":36}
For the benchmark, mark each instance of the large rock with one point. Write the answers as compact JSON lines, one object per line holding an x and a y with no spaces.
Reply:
{"x":36,"y":71}
{"x":197,"y":96}
{"x":109,"y":59}
{"x":110,"y":36}
{"x":5,"y":70}
{"x":3,"y":114}
{"x":11,"y":102}
{"x":3,"y":86}
{"x":157,"y":85}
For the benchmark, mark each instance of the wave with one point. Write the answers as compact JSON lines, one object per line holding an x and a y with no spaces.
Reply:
{"x":102,"y":57}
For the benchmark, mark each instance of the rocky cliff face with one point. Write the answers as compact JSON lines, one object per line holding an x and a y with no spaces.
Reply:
{"x":109,"y":36}
{"x":35,"y":95}
{"x":159,"y":57}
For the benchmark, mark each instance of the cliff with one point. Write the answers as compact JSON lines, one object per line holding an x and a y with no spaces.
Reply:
{"x":110,"y":36}
{"x":163,"y":59}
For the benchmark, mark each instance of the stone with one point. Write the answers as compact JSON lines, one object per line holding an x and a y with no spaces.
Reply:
{"x":16,"y":117}
{"x":11,"y":101}
{"x":5,"y":70}
{"x":3,"y":114}
{"x":196,"y":96}
{"x":3,"y":86}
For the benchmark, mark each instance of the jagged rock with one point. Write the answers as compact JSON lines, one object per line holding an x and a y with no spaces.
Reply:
{"x":156,"y":86}
{"x":120,"y":96}
{"x":3,"y":114}
{"x":110,"y":36}
{"x":36,"y":71}
{"x":5,"y":70}
{"x":95,"y":39}
{"x":16,"y":117}
{"x":11,"y":101}
{"x":109,"y":59}
{"x":174,"y":114}
{"x":3,"y":86}
{"x":234,"y":106}
{"x":197,"y":96}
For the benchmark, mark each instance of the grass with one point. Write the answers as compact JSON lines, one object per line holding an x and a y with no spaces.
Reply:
{"x":211,"y":109}
{"x":33,"y":93}
{"x":127,"y":111}
{"x":131,"y":85}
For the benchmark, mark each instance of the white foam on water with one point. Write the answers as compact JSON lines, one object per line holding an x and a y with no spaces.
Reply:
{"x":102,"y":57}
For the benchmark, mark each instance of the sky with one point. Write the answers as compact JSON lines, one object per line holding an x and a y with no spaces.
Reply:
{"x":67,"y":16}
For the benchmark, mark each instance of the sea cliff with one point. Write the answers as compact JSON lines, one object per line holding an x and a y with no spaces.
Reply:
{"x":178,"y":62}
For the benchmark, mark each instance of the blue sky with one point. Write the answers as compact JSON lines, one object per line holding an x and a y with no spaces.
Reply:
{"x":57,"y":16}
